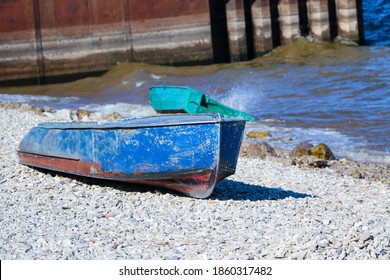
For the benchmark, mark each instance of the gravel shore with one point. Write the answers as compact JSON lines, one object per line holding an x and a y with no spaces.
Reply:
{"x":269,"y":209}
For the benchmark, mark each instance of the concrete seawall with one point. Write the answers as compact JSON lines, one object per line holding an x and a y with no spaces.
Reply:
{"x":50,"y":40}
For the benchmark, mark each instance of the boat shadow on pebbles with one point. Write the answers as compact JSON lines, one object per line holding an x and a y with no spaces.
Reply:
{"x":234,"y":190}
{"x":226,"y":190}
{"x":102,"y":183}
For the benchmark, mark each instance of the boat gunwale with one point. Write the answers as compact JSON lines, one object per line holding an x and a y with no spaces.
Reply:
{"x":124,"y":123}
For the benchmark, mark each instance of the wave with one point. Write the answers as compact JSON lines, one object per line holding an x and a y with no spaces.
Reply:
{"x":376,"y":14}
{"x":37,"y":100}
{"x":123,"y":109}
{"x":342,"y":145}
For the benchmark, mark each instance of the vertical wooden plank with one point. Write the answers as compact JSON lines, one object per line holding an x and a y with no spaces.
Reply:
{"x":236,"y":29}
{"x":289,"y":20}
{"x":262,"y":29}
{"x":348,"y":19}
{"x":319,"y":20}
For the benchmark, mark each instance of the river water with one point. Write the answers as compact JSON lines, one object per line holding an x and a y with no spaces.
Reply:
{"x":333,"y":93}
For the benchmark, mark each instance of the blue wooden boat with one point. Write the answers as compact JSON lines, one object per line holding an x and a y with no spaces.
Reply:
{"x":186,"y":153}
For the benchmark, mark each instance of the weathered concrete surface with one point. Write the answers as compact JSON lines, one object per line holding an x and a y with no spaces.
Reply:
{"x":236,"y":28}
{"x":348,"y":19}
{"x":289,"y":21}
{"x":262,"y":30}
{"x":318,"y":13}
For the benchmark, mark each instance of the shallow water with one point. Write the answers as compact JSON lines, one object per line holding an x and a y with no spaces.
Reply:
{"x":334,"y":93}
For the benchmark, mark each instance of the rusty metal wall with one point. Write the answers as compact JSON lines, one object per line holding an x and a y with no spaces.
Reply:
{"x":171,"y":32}
{"x":49,"y":38}
{"x":18,"y":49}
{"x":41,"y":39}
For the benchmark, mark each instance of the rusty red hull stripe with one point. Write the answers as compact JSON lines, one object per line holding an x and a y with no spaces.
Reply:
{"x":184,"y":183}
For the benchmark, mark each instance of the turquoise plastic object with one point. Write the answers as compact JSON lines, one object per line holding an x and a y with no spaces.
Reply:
{"x":177,"y":99}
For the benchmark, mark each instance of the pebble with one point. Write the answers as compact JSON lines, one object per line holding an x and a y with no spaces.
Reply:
{"x":366,"y":235}
{"x":323,"y":243}
{"x":267,"y":210}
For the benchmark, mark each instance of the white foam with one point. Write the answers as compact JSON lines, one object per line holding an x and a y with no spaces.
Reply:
{"x":20,"y":98}
{"x":156,"y":77}
{"x":124,"y":109}
{"x":368,"y":156}
{"x":139,"y":83}
{"x":342,"y":145}
{"x":242,"y":97}
{"x":297,"y":135}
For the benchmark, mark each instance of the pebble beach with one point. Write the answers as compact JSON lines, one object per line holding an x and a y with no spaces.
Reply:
{"x":270,"y":209}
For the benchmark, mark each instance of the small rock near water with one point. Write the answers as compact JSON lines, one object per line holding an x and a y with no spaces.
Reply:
{"x":304,"y":149}
{"x":322,"y":151}
{"x":261,"y":150}
{"x":257,"y":134}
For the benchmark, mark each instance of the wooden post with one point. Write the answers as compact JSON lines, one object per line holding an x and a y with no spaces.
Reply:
{"x":319,"y":19}
{"x":236,"y":29}
{"x":262,"y":30}
{"x":289,"y":20}
{"x":349,"y":20}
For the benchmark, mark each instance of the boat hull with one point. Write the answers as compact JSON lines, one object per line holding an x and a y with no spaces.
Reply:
{"x":188,"y":154}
